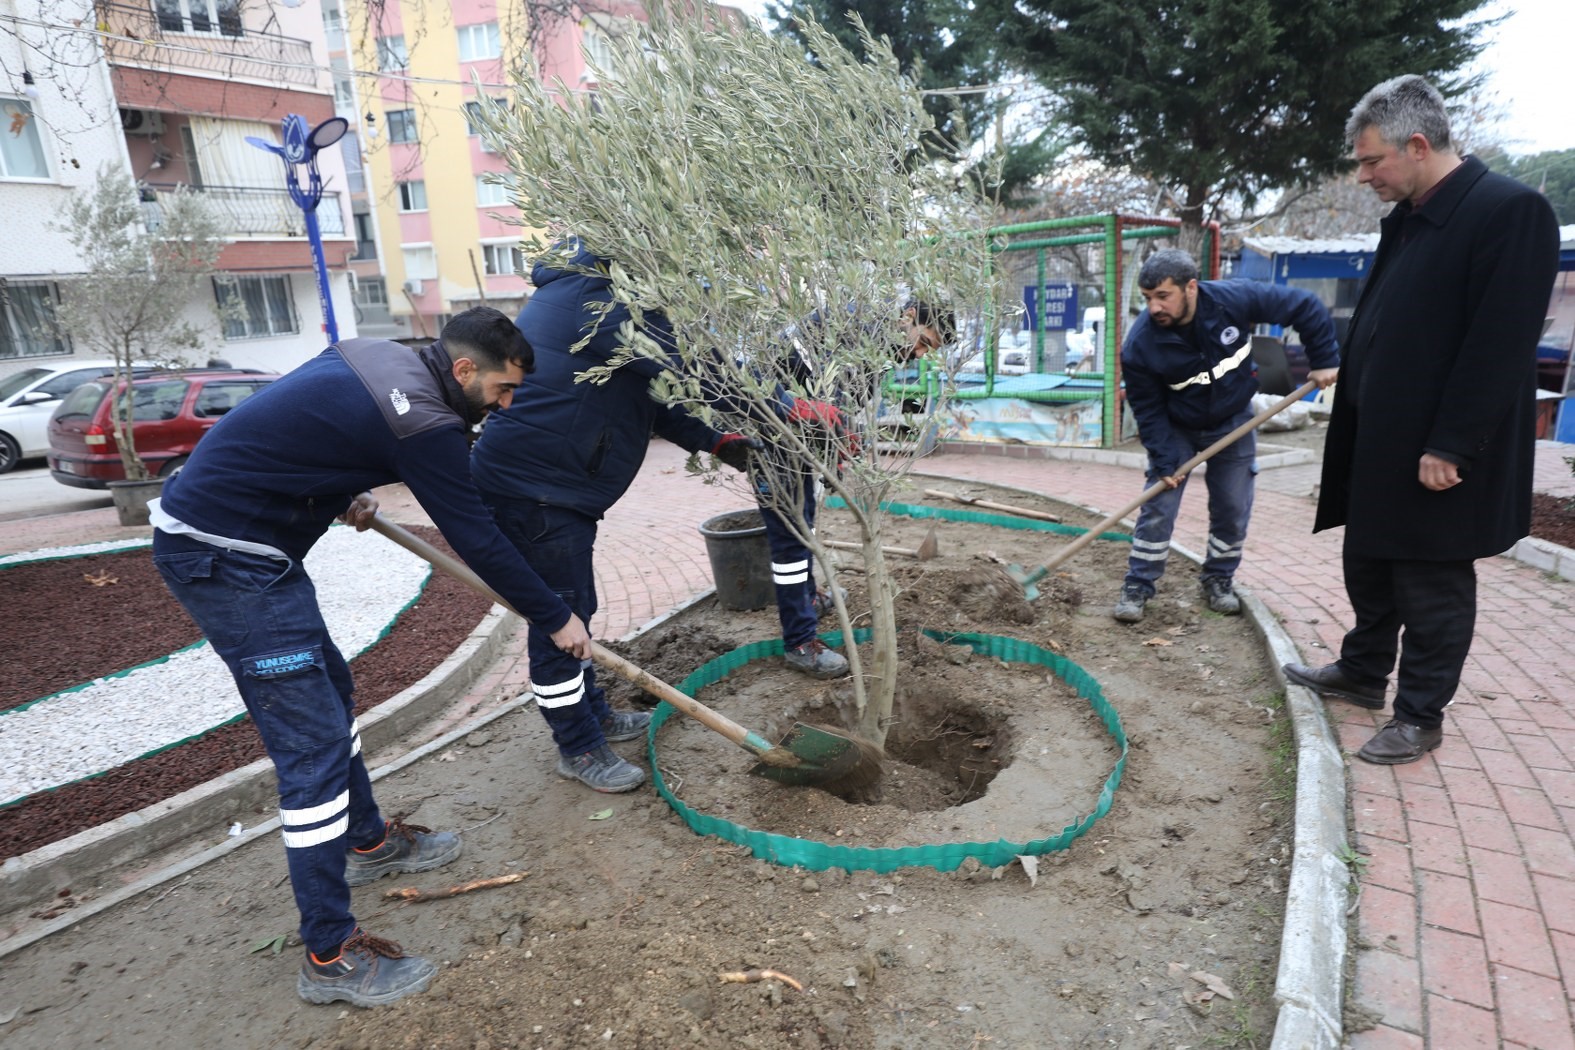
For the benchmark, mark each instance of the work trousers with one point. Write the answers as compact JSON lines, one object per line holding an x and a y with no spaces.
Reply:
{"x":260,"y":614}
{"x":792,"y":564}
{"x":1230,"y":480}
{"x":558,"y":544}
{"x":1423,"y":610}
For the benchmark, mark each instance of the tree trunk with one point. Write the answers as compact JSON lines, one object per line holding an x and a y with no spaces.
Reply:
{"x":875,"y":717}
{"x":121,"y":409}
{"x":1190,"y":237}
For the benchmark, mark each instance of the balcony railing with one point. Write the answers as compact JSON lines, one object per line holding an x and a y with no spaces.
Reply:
{"x":253,"y":212}
{"x":222,"y":47}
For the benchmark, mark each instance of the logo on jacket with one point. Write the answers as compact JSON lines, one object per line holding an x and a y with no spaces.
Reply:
{"x":400,"y":402}
{"x":1229,"y":335}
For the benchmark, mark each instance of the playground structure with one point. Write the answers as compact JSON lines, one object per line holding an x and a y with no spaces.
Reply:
{"x":1057,"y":400}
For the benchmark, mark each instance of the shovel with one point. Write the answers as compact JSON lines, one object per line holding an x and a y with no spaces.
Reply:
{"x":1027,"y":578}
{"x":807,"y":754}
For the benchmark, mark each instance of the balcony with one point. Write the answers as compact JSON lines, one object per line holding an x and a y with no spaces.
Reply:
{"x":253,"y":212}
{"x":220,"y":47}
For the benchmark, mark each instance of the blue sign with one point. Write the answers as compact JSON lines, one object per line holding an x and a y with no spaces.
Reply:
{"x":1060,"y":305}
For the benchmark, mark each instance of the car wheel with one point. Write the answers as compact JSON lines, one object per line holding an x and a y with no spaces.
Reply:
{"x":10,"y":453}
{"x":172,"y":467}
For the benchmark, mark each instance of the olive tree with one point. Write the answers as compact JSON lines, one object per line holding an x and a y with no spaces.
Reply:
{"x":771,"y":208}
{"x":141,"y":270}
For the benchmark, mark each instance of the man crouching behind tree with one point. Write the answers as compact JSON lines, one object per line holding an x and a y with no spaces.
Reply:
{"x":231,"y":531}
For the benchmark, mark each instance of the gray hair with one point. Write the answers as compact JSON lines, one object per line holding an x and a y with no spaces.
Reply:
{"x":1167,"y":263}
{"x":1400,"y":108}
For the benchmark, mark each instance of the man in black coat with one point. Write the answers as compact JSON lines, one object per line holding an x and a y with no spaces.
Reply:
{"x":1429,"y":456}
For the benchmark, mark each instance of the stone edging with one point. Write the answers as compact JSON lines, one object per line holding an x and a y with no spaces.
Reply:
{"x":92,"y":857}
{"x":1540,"y":554}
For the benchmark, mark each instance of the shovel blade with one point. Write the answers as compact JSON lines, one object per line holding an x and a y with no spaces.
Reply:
{"x":1026,"y":578}
{"x":822,"y":756}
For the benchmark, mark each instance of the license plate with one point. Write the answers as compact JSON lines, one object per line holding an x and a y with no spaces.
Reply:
{"x":67,"y":467}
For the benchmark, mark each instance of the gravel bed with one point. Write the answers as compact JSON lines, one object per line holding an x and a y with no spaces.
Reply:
{"x":362,"y":585}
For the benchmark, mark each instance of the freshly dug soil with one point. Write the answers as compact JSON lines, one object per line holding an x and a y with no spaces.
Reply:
{"x":1553,"y":519}
{"x":63,"y":630}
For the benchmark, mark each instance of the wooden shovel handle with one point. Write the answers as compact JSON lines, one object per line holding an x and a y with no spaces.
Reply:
{"x":1186,"y":468}
{"x":599,"y":653}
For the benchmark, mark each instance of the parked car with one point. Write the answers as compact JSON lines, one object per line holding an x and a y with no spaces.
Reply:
{"x":170,"y":413}
{"x":29,"y":397}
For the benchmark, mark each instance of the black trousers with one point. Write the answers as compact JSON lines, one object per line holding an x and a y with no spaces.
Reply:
{"x":1424,"y":611}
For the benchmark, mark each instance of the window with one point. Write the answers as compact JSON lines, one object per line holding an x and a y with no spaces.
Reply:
{"x":473,"y":122}
{"x":27,"y":320}
{"x":392,"y":55}
{"x":344,"y":94}
{"x":21,"y":149}
{"x":365,"y":240}
{"x":413,"y":195}
{"x":598,"y":51}
{"x":479,"y":42}
{"x":420,"y":263}
{"x":199,"y":16}
{"x":157,"y":402}
{"x":355,"y":172}
{"x":262,"y":306}
{"x":218,"y":397}
{"x":401,"y":125}
{"x":371,"y":291}
{"x":502,"y":259}
{"x":490,"y":194}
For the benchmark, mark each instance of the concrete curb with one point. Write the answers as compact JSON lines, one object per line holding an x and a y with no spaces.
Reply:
{"x":1309,"y":985}
{"x":1540,"y":554}
{"x":93,"y":857}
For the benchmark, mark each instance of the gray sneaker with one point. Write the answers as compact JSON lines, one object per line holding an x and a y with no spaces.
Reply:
{"x":368,"y":971}
{"x":625,"y":725}
{"x":816,"y":660}
{"x":1221,"y":596}
{"x":824,"y":605}
{"x":406,"y":848}
{"x":600,"y":769}
{"x":1129,"y":607}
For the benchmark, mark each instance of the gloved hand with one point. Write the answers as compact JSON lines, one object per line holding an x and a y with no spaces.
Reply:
{"x":827,"y":417}
{"x":734,"y":450}
{"x":822,"y":412}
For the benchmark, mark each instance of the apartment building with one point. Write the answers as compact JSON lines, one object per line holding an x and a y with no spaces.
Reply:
{"x":169,"y":91}
{"x":447,"y":238}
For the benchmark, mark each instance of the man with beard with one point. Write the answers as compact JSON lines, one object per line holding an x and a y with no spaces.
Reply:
{"x":231,"y":531}
{"x":1187,"y":363}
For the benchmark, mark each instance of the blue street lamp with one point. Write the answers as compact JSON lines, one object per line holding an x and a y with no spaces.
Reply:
{"x":302,"y":147}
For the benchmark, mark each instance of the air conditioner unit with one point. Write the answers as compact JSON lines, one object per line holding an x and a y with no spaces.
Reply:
{"x":142,"y":122}
{"x":414,"y":287}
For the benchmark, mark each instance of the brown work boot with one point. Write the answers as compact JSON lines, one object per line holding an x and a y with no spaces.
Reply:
{"x":1400,"y":742}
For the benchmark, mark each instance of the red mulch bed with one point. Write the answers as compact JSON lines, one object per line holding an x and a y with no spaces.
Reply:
{"x":1553,"y":519}
{"x":62,"y":631}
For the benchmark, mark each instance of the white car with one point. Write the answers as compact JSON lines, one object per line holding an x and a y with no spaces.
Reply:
{"x":29,"y":397}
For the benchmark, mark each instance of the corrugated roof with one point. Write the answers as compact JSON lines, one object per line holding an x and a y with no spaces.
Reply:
{"x":1360,"y":242}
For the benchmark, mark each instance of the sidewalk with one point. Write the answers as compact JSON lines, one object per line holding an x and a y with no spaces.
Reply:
{"x":1467,"y":911}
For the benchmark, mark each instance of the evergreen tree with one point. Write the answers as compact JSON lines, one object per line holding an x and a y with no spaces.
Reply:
{"x":936,"y":41}
{"x":1227,"y":98}
{"x":1552,"y":172}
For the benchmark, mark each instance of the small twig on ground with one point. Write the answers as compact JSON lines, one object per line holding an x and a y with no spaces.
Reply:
{"x":750,"y":976}
{"x":169,"y":891}
{"x":484,"y":823}
{"x":411,"y":893}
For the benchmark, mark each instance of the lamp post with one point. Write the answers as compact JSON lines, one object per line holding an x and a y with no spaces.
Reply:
{"x":301,"y":147}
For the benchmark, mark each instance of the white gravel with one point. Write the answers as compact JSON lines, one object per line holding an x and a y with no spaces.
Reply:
{"x":363,"y":582}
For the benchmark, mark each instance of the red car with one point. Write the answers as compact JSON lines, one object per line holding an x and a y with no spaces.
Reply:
{"x":170,"y":413}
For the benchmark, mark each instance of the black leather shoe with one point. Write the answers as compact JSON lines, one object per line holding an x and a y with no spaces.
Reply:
{"x":1329,"y":681}
{"x":1398,"y":743}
